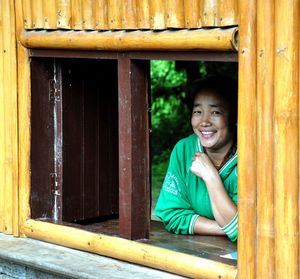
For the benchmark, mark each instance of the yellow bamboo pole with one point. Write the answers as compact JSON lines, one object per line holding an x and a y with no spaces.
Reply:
{"x":247,"y":114}
{"x":49,"y":14}
{"x":37,"y":14}
{"x":174,"y":14}
{"x":227,"y":12}
{"x":10,"y":118}
{"x":286,"y":138}
{"x":26,"y":8}
{"x":23,"y":123}
{"x":76,"y":15}
{"x":265,"y":138}
{"x":63,"y":14}
{"x":209,"y":13}
{"x":2,"y":128}
{"x":192,"y":14}
{"x":143,"y":14}
{"x":211,"y":39}
{"x":157,"y":14}
{"x":129,"y":15}
{"x":115,"y":8}
{"x":129,"y":251}
{"x":100,"y":14}
{"x":88,"y":16}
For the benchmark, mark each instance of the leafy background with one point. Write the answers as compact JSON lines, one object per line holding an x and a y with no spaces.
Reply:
{"x":170,"y":114}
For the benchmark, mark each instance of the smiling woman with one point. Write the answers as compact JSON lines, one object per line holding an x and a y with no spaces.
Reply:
{"x":199,"y":193}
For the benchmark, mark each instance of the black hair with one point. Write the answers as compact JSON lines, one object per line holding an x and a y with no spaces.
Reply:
{"x":224,"y":86}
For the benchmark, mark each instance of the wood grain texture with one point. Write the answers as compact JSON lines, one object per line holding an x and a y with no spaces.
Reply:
{"x":49,"y":14}
{"x":63,"y":14}
{"x":130,"y":251}
{"x":174,"y":16}
{"x":10,"y":127}
{"x":114,"y":10}
{"x":209,"y":11}
{"x":247,"y":145}
{"x":192,"y":14}
{"x":143,"y":14}
{"x":100,"y":14}
{"x":157,"y":14}
{"x":227,"y":13}
{"x":27,"y":18}
{"x":88,"y":16}
{"x":129,"y":14}
{"x":37,"y":14}
{"x":287,"y":139}
{"x":77,"y":17}
{"x":211,"y":39}
{"x":265,"y":140}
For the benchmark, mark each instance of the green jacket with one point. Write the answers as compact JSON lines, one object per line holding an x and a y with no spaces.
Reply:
{"x":184,"y":196}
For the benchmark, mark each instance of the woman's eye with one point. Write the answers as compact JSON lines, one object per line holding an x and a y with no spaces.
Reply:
{"x":216,"y":112}
{"x":197,"y":112}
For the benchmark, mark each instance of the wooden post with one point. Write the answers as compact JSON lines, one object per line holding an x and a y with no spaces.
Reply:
{"x":287,"y":138}
{"x":26,"y":9}
{"x":9,"y":131}
{"x":134,"y":189}
{"x":247,"y":114}
{"x":265,"y":140}
{"x":37,"y":14}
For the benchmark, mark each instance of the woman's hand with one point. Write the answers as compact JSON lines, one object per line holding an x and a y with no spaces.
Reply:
{"x":203,"y":167}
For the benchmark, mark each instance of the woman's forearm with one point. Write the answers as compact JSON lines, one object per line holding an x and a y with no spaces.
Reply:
{"x":204,"y":226}
{"x":223,"y":207}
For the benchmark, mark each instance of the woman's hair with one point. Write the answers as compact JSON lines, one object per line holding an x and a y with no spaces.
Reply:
{"x":224,"y":86}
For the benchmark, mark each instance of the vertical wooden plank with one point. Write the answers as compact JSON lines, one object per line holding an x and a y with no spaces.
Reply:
{"x":143,"y":14}
{"x":2,"y":127}
{"x":26,"y":8}
{"x":88,"y":16}
{"x":174,"y":15}
{"x":63,"y":14}
{"x":76,"y":12}
{"x":10,"y":131}
{"x":23,"y":85}
{"x":37,"y":14}
{"x":134,"y":199}
{"x":100,"y":14}
{"x":209,"y":13}
{"x":286,"y":138}
{"x":227,"y":13}
{"x":49,"y":14}
{"x":247,"y":114}
{"x":265,"y":138}
{"x":115,"y":14}
{"x":192,"y":13}
{"x":129,"y":15}
{"x":157,"y":14}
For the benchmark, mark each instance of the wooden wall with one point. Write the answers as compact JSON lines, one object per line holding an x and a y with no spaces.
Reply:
{"x":8,"y":121}
{"x":128,"y":14}
{"x":269,"y":139}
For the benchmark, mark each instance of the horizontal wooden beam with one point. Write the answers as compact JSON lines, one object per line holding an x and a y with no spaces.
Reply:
{"x":130,"y":251}
{"x":216,"y":39}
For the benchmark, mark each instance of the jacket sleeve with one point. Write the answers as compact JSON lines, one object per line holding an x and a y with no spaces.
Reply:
{"x":173,"y":206}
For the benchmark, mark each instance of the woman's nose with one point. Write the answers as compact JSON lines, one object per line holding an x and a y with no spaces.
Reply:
{"x":205,"y":120}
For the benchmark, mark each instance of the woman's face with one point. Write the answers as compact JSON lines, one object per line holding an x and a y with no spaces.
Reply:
{"x":210,"y":122}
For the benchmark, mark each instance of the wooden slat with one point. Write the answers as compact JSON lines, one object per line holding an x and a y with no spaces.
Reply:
{"x":157,"y":14}
{"x":10,"y":132}
{"x":63,"y":14}
{"x":88,"y":16}
{"x":134,"y":189}
{"x":100,"y":14}
{"x":129,"y":15}
{"x":286,"y":138}
{"x":26,"y":8}
{"x":143,"y":14}
{"x":2,"y":128}
{"x":209,"y":13}
{"x":192,"y":14}
{"x":114,"y":14}
{"x":265,"y":139}
{"x":174,"y":16}
{"x":227,"y":12}
{"x":246,"y":140}
{"x":37,"y":14}
{"x":49,"y":15}
{"x":76,"y":19}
